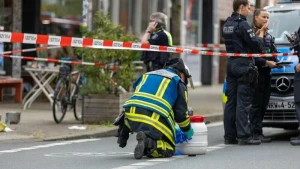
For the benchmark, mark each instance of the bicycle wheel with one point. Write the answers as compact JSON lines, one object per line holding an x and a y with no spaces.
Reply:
{"x":60,"y":104}
{"x":76,"y":103}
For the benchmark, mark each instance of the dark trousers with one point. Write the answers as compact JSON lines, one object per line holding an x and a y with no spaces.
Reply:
{"x":239,"y":99}
{"x":151,"y":66}
{"x":260,"y":102}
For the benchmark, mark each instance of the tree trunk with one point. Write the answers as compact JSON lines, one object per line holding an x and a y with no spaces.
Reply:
{"x":176,"y":23}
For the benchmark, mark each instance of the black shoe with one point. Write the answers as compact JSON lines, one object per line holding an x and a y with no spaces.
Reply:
{"x":230,"y":141}
{"x":141,"y":146}
{"x":262,"y":138}
{"x":295,"y":142}
{"x":249,"y":141}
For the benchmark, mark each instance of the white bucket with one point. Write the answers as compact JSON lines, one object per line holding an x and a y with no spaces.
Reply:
{"x":198,"y":144}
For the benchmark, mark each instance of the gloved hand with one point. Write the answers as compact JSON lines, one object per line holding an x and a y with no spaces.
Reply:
{"x":189,"y":133}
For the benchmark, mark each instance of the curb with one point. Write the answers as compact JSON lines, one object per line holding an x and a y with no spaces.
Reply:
{"x":214,"y":118}
{"x":108,"y":133}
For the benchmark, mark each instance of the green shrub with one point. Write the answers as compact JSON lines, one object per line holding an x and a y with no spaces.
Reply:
{"x":101,"y":83}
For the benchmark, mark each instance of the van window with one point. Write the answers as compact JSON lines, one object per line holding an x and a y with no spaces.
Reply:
{"x":281,"y":22}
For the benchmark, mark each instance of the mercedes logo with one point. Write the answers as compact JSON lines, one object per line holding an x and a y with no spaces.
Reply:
{"x":283,"y":83}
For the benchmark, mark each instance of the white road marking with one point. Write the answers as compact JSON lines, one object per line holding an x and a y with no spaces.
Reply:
{"x":215,"y":124}
{"x":151,"y":162}
{"x":160,"y":160}
{"x":217,"y":147}
{"x":129,"y":167}
{"x":88,"y":154}
{"x":145,"y":163}
{"x":47,"y":145}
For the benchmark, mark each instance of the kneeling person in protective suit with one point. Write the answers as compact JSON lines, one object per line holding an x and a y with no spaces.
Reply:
{"x":159,"y":100}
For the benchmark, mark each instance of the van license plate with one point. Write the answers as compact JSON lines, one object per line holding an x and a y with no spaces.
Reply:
{"x":281,"y":105}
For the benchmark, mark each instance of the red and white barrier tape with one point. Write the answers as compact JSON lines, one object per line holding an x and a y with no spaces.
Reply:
{"x":30,"y":50}
{"x":109,"y":44}
{"x":53,"y":60}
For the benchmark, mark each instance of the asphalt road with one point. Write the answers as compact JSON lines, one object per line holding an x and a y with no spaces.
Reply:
{"x":104,"y":153}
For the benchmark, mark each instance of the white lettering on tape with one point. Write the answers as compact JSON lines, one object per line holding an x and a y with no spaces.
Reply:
{"x":5,"y":36}
{"x":136,"y":45}
{"x":118,"y":44}
{"x":30,"y":38}
{"x":171,"y":49}
{"x":154,"y":47}
{"x":54,"y":40}
{"x":97,"y":43}
{"x":187,"y":51}
{"x":77,"y":42}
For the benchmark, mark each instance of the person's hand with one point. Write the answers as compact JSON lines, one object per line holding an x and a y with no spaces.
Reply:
{"x":265,"y":27}
{"x":152,"y":26}
{"x":271,"y":64}
{"x":298,"y":68}
{"x":280,"y":66}
{"x":257,"y":32}
{"x":189,"y":133}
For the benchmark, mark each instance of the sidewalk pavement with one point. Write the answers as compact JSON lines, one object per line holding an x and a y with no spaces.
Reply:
{"x":37,"y":122}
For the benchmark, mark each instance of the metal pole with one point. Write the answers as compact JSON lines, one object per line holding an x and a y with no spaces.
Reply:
{"x":17,"y":27}
{"x":200,"y":21}
{"x":215,"y":61}
{"x":137,"y":17}
{"x":115,"y":11}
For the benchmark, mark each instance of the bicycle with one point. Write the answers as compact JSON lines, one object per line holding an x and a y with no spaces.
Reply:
{"x":112,"y":66}
{"x":64,"y":95}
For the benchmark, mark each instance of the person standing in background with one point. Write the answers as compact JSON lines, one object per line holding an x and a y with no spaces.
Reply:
{"x":242,"y":75}
{"x":156,"y":35}
{"x":262,"y":92}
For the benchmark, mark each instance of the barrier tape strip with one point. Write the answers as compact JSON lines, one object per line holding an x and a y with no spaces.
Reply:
{"x":52,"y":60}
{"x":109,"y":44}
{"x":30,"y":50}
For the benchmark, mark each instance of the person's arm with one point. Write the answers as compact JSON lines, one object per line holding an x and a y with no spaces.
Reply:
{"x":180,"y":108}
{"x":255,"y":43}
{"x":145,"y":37}
{"x":252,"y":40}
{"x":150,"y":29}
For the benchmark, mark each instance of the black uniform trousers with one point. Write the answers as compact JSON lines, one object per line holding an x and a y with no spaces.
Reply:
{"x":239,"y":99}
{"x":260,"y":101}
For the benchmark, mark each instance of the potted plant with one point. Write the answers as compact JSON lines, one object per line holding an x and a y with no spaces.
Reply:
{"x":102,"y":101}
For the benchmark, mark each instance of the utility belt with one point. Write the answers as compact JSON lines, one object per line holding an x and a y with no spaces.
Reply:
{"x":251,"y":77}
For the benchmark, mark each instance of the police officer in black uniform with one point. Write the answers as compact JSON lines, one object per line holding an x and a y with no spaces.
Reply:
{"x":156,"y":35}
{"x":262,"y":92}
{"x":295,"y":41}
{"x":242,"y":75}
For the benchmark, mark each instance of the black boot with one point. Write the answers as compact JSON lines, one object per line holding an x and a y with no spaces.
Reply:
{"x":249,"y":141}
{"x":229,"y":141}
{"x":141,"y":146}
{"x":262,"y":138}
